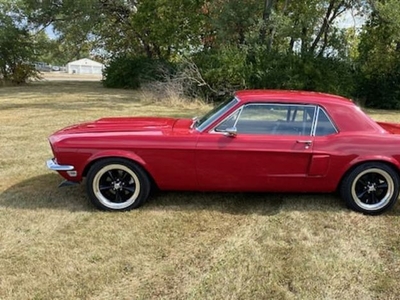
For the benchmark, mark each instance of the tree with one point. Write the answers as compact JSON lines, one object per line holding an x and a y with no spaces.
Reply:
{"x":74,"y":23}
{"x":380,"y":38}
{"x":236,"y":44}
{"x":155,"y":28}
{"x":17,"y":50}
{"x":379,"y":56}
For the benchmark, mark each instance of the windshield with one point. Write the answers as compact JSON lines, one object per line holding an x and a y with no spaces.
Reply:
{"x":215,"y":113}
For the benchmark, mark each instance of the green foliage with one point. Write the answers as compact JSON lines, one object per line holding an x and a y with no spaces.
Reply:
{"x":168,"y":28}
{"x":379,"y":57}
{"x":22,"y":73}
{"x":234,"y":68}
{"x":128,"y":72}
{"x":74,"y":23}
{"x":283,"y":44}
{"x":17,"y":49}
{"x":231,"y":21}
{"x":224,"y":71}
{"x":152,"y":28}
{"x":164,"y":28}
{"x":292,"y":71}
{"x":381,"y":89}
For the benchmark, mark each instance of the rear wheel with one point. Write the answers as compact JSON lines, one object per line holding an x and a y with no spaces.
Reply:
{"x":117,"y":184}
{"x":371,"y":188}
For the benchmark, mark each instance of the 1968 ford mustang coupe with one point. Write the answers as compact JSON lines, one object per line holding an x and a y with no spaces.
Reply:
{"x":260,"y":141}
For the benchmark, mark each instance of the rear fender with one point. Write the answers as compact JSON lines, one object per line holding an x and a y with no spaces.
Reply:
{"x":378,"y":158}
{"x":367,"y":159}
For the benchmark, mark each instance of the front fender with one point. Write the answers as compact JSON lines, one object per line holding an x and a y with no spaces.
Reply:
{"x":113,"y":153}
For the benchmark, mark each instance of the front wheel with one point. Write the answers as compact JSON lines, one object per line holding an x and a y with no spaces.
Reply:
{"x":371,"y":188}
{"x":117,"y":184}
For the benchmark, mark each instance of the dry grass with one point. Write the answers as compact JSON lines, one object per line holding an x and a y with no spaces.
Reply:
{"x":55,"y":245}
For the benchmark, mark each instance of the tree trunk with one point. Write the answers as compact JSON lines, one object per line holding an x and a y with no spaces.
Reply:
{"x":330,"y":16}
{"x":291,"y":45}
{"x":304,"y":45}
{"x":266,"y":15}
{"x":324,"y":26}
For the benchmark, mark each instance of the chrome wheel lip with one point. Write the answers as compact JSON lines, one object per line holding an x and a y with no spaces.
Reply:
{"x":384,"y":201}
{"x":107,"y":202}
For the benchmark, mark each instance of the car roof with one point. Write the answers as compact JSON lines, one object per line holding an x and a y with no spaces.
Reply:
{"x":290,"y":96}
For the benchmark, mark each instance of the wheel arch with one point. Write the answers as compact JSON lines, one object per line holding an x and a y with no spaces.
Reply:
{"x":388,"y":162}
{"x":132,"y":157}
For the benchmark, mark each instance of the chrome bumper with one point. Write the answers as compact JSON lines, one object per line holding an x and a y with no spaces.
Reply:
{"x":52,"y":165}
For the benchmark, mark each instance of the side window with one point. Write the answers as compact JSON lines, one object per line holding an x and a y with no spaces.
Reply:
{"x":271,"y":119}
{"x":263,"y":112}
{"x":324,"y":125}
{"x":229,"y":122}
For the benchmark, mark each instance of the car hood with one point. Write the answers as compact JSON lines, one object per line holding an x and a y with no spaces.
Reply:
{"x":134,"y":125}
{"x":122,"y":125}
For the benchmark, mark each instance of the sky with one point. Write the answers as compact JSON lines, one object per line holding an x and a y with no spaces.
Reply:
{"x":351,"y":18}
{"x":50,"y":33}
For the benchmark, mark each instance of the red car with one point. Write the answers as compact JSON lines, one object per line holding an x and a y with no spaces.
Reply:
{"x":258,"y":141}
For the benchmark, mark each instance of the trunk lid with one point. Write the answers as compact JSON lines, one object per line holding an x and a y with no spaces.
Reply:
{"x":393,"y":128}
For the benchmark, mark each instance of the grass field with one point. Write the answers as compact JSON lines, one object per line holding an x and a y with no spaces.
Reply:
{"x":55,"y":245}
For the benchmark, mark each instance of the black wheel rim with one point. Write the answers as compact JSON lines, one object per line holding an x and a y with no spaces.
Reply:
{"x":116,"y":186}
{"x":372,"y":189}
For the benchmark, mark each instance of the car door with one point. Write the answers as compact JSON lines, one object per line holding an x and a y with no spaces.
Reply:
{"x":328,"y":158}
{"x":259,"y":147}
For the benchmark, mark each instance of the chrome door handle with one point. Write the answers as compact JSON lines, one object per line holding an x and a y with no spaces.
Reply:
{"x":306,"y":143}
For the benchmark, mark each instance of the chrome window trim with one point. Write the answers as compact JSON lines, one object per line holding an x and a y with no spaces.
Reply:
{"x":240,"y":109}
{"x":217,"y":114}
{"x":314,"y":124}
{"x":316,"y":121}
{"x":316,"y":107}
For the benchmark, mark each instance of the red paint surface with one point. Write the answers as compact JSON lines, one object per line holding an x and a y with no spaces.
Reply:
{"x":181,"y":158}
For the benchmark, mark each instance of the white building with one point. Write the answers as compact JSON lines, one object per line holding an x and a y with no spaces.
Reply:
{"x":85,"y":66}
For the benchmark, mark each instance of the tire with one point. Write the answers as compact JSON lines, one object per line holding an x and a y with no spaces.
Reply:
{"x":116,"y":184}
{"x":371,"y":188}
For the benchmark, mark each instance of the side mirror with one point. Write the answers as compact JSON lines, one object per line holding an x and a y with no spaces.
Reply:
{"x":231,"y":132}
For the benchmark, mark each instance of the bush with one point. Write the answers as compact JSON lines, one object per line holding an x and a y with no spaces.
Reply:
{"x":216,"y":74}
{"x":22,"y":73}
{"x":294,"y":72}
{"x":131,"y":72}
{"x":224,"y":71}
{"x":381,"y":89}
{"x":230,"y":69}
{"x":18,"y":74}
